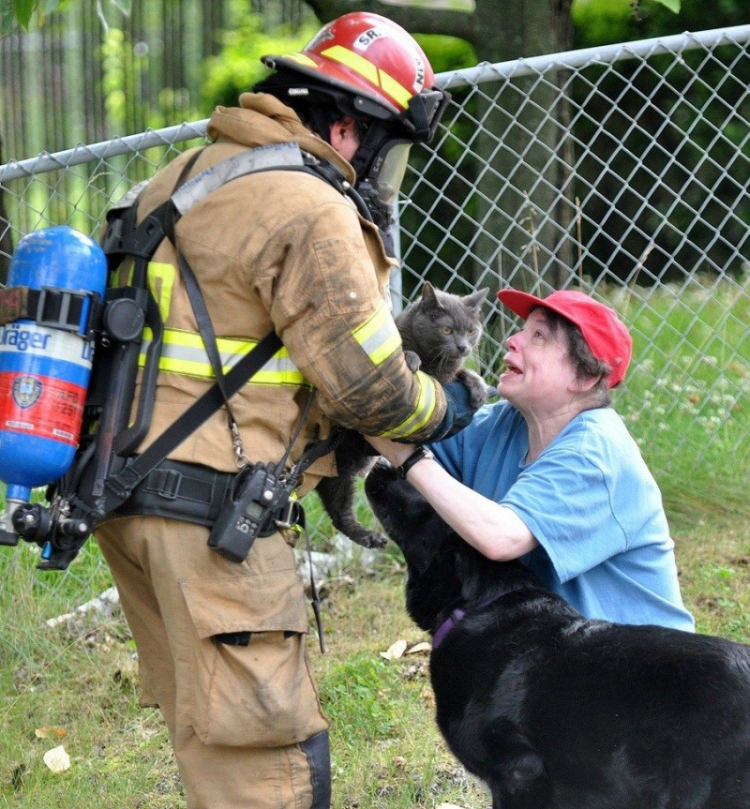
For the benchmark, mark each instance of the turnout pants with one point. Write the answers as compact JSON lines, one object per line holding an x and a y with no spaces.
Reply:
{"x":221,"y":649}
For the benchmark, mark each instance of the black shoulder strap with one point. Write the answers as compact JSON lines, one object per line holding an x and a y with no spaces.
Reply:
{"x":203,"y":320}
{"x":122,"y":237}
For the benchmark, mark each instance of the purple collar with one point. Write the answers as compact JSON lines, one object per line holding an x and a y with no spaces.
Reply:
{"x":458,"y":614}
{"x":446,"y":627}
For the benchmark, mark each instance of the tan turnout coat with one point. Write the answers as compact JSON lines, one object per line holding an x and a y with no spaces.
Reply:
{"x":284,"y":251}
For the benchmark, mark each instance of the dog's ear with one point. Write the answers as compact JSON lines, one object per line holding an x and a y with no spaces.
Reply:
{"x":467,"y":573}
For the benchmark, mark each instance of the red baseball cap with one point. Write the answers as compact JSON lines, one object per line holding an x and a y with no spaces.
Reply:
{"x":605,"y":334}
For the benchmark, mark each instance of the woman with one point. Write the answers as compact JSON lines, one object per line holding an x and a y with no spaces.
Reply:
{"x":550,"y":473}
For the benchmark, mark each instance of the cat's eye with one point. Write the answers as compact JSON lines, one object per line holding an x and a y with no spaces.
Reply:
{"x":447,"y":330}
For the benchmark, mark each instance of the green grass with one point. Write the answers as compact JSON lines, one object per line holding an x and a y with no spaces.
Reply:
{"x":386,"y":750}
{"x":687,"y":397}
{"x":687,"y":404}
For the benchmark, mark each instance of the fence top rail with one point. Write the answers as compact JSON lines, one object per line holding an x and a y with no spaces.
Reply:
{"x":606,"y":54}
{"x":85,"y":153}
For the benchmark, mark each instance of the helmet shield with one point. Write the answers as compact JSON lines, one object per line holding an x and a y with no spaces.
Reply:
{"x":389,"y":168}
{"x":424,"y":113}
{"x":379,"y":181}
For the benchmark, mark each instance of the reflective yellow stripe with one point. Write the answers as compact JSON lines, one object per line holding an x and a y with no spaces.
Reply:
{"x":394,"y":89}
{"x":378,"y":336}
{"x":422,"y":413}
{"x":161,"y":278}
{"x":304,"y":60}
{"x":357,"y":63}
{"x":183,"y":353}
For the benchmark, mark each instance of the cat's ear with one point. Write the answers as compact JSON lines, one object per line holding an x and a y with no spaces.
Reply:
{"x":476,"y":299}
{"x":429,"y":295}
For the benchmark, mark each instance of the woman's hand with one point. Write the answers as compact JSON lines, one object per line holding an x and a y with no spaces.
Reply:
{"x":494,"y":530}
{"x":395,"y":452}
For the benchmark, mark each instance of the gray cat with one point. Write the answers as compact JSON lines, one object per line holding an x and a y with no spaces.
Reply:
{"x":438,"y":332}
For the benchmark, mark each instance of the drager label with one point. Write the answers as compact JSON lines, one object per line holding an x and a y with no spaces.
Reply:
{"x":22,"y":338}
{"x":25,"y":338}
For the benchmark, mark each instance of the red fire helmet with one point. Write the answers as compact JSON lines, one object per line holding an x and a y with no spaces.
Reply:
{"x":367,"y":55}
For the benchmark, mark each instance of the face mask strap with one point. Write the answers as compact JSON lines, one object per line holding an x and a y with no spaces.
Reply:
{"x":370,"y":144}
{"x":424,"y":114}
{"x":369,"y":181}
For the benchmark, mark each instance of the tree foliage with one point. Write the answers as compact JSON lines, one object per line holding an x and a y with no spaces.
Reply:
{"x":14,"y":13}
{"x":20,"y":13}
{"x":238,"y":67}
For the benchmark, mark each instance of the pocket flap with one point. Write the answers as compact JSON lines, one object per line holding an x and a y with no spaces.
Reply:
{"x":273,"y":602}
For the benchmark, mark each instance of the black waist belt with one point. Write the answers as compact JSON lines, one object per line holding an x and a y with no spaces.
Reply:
{"x":180,"y":491}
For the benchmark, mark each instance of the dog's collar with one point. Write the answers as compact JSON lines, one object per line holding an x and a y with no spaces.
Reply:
{"x":446,"y":627}
{"x":457,"y":614}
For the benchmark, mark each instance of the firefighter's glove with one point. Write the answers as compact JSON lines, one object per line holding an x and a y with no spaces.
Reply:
{"x":459,"y":411}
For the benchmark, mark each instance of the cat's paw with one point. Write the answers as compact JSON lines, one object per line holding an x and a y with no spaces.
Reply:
{"x":479,"y":390}
{"x":370,"y":539}
{"x":413,"y":362}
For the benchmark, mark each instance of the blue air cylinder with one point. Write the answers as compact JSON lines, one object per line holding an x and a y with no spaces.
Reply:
{"x":45,"y":366}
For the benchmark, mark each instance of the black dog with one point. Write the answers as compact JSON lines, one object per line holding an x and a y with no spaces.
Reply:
{"x":555,"y":711}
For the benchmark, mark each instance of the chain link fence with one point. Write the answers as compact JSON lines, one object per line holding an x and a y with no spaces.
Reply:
{"x":621,"y":170}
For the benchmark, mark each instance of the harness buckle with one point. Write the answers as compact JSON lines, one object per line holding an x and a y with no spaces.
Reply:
{"x":166,"y":483}
{"x":62,"y":309}
{"x":290,"y":514}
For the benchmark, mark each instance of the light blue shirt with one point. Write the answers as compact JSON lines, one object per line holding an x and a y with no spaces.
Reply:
{"x":592,"y":504}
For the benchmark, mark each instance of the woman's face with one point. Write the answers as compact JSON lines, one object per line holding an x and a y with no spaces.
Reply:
{"x":539,"y":375}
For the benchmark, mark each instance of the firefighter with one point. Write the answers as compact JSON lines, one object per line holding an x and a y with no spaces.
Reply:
{"x":221,"y":643}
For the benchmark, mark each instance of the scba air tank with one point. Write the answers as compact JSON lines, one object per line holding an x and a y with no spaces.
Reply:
{"x":45,"y":359}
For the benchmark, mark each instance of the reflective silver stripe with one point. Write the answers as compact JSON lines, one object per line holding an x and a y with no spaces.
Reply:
{"x":276,"y":155}
{"x":183,"y":353}
{"x":378,"y":336}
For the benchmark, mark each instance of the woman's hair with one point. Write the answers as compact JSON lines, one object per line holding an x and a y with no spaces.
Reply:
{"x":586,"y":364}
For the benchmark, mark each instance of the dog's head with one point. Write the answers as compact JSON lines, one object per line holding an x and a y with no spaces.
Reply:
{"x":407,"y":518}
{"x":427,"y":542}
{"x":444,"y":572}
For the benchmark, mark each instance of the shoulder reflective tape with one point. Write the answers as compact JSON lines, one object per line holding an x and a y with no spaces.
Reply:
{"x":124,"y":277}
{"x":378,"y":335}
{"x":183,"y":353}
{"x":261,"y":158}
{"x":376,"y":76}
{"x":422,"y":413}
